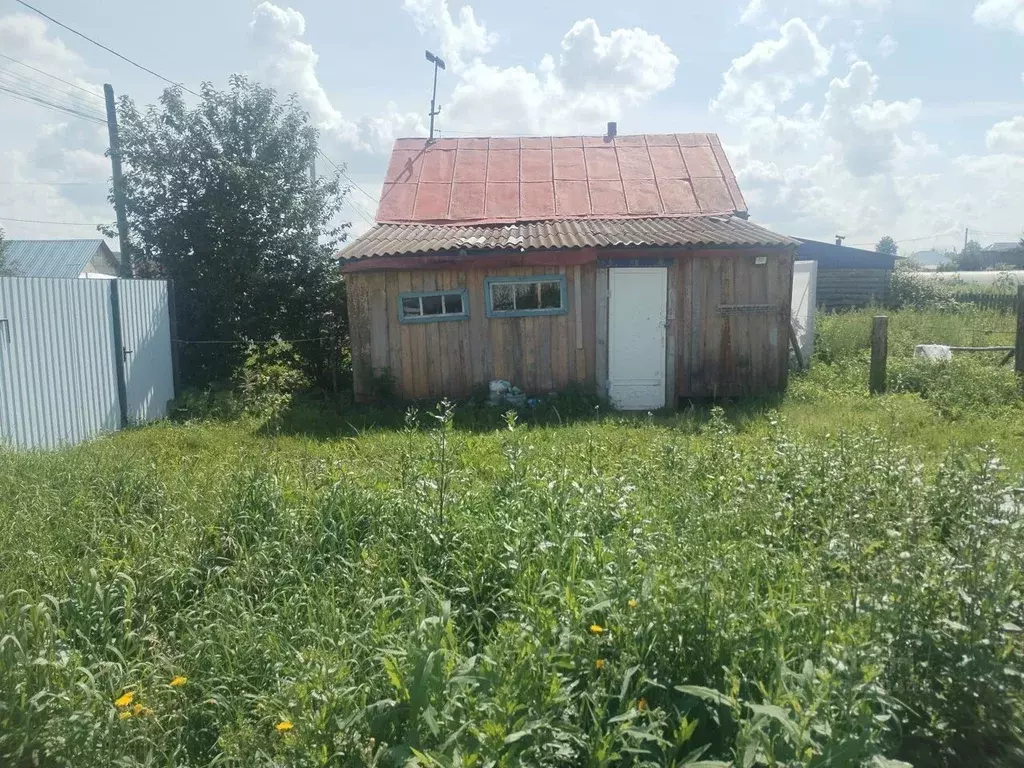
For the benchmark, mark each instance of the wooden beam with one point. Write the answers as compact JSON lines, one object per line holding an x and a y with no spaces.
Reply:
{"x":879,"y":353}
{"x":1019,"y":363}
{"x":796,"y":346}
{"x":491,"y":260}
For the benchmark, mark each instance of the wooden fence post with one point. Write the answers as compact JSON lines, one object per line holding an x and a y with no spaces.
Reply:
{"x":879,"y":353}
{"x":1018,"y":364}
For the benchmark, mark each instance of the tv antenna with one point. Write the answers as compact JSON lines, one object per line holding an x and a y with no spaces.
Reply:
{"x":438,"y":63}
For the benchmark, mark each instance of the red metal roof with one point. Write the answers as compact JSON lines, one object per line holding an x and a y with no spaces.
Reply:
{"x":506,"y":180}
{"x":661,"y":232}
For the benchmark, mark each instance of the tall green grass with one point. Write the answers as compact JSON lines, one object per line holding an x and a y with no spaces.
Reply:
{"x":614,"y":592}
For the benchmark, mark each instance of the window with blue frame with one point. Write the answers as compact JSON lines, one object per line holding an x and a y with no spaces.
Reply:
{"x":433,"y":306}
{"x":525,"y":296}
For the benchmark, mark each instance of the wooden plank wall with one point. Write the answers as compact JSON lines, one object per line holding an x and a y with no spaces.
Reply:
{"x":839,"y":288}
{"x":434,"y":360}
{"x":732,"y":354}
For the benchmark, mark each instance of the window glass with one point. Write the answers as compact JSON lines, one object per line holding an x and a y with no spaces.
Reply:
{"x":411,"y":307}
{"x":453,"y":304}
{"x":527,"y":296}
{"x":502,"y":297}
{"x":550,"y":296}
{"x":432,"y":305}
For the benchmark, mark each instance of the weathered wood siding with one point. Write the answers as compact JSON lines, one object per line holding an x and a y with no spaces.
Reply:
{"x":727,"y":331}
{"x":838,"y":288}
{"x":732,"y":332}
{"x":433,"y":360}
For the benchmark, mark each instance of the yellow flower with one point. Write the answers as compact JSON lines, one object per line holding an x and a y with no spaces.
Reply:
{"x":597,"y":629}
{"x":632,"y":603}
{"x":125,"y":700}
{"x":140,"y":710}
{"x":284,"y":726}
{"x":178,"y":681}
{"x":641,"y":704}
{"x":599,"y":663}
{"x":125,"y":715}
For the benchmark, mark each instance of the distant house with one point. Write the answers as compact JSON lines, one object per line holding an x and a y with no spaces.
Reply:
{"x":60,"y":258}
{"x":1004,"y":253}
{"x":848,"y":277}
{"x":621,"y":264}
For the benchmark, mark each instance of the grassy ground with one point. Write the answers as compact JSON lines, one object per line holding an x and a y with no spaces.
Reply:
{"x":817,"y":580}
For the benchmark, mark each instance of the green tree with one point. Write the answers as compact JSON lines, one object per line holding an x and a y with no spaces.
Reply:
{"x":971,"y":258}
{"x":887,"y":245}
{"x":219,"y":199}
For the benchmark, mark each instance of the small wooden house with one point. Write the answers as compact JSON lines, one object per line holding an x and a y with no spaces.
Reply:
{"x":623,"y":263}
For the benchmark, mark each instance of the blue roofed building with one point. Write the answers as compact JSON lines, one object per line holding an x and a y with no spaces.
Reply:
{"x":848,"y":277}
{"x":60,"y":258}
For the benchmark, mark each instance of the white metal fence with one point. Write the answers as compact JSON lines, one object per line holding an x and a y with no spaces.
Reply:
{"x":81,"y":357}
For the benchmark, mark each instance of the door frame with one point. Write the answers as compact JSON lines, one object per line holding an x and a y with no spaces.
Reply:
{"x":638,"y":266}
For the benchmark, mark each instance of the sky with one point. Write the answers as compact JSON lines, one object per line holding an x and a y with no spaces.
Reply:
{"x":861,"y":118}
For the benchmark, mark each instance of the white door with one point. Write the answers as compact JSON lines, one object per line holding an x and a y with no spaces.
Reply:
{"x":637,"y":307}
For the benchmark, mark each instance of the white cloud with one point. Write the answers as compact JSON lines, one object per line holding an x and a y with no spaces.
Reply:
{"x":460,"y":40}
{"x":887,"y":46}
{"x":1007,"y":136}
{"x":1008,"y":14}
{"x":752,"y":12}
{"x":290,"y":66}
{"x":769,"y":74}
{"x":848,"y":162}
{"x":757,"y":10}
{"x":590,"y":81}
{"x":865,"y":129}
{"x":53,"y":166}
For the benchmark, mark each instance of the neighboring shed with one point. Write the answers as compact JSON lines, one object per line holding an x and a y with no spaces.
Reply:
{"x":848,"y":277}
{"x":623,"y":264}
{"x":60,"y":258}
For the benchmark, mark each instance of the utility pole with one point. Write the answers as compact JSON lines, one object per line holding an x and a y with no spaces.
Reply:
{"x":118,"y":181}
{"x":966,"y":232}
{"x":438,"y":63}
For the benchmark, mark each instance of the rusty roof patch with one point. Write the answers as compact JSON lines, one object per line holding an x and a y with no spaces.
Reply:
{"x":442,"y":181}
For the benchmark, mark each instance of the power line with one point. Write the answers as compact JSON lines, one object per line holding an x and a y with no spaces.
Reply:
{"x":22,"y":96}
{"x":47,"y":74}
{"x":29,"y":86}
{"x":37,"y":221}
{"x":105,"y":48}
{"x":53,"y":183}
{"x":250,"y":341}
{"x":341,"y":170}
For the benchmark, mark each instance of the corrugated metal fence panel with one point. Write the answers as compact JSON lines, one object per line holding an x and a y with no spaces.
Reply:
{"x":146,"y":335}
{"x":57,"y":385}
{"x":805,"y":283}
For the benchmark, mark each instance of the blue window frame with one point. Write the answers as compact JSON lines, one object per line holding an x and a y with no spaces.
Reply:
{"x":525,"y":296}
{"x":433,"y":306}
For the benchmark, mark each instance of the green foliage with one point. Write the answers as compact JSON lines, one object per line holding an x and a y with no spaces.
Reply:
{"x":752,"y":587}
{"x":910,"y":291}
{"x":219,"y":200}
{"x":887,"y":245}
{"x":267,"y":381}
{"x":618,"y":592}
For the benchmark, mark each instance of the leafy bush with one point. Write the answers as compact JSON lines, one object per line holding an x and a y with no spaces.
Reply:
{"x":958,"y":387}
{"x":268,"y":379}
{"x":909,"y":291}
